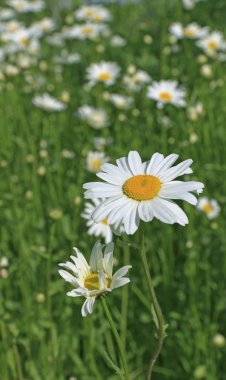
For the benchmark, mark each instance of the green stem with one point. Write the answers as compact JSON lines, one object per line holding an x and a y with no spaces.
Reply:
{"x":117,"y":338}
{"x":125,"y":299}
{"x":157,"y":309}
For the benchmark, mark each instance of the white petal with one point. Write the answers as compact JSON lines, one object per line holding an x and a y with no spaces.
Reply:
{"x":176,"y":171}
{"x":117,"y":283}
{"x":102,"y":280}
{"x":96,"y":258}
{"x":156,"y":159}
{"x":131,"y":220}
{"x":145,"y":211}
{"x":135,"y":163}
{"x":180,"y":216}
{"x":121,"y":272}
{"x":68,"y":277}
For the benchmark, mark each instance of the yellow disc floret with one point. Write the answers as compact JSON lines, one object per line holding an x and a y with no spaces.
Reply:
{"x":165,"y":96}
{"x":207,"y":208}
{"x":104,"y":76}
{"x":142,"y":187}
{"x":92,"y":281}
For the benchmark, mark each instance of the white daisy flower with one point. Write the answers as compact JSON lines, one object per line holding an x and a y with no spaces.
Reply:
{"x":117,"y":41}
{"x":103,"y":229}
{"x":137,"y":191}
{"x":212,"y":43}
{"x":24,"y":6}
{"x":6,"y":13}
{"x":191,"y":31}
{"x":88,"y":30}
{"x":209,"y":206}
{"x":95,"y":278}
{"x":93,"y":13}
{"x":120,"y":101}
{"x":137,"y":80}
{"x":103,"y":72}
{"x":97,"y":118}
{"x":190,"y":4}
{"x":95,"y":160}
{"x":167,"y":91}
{"x":48,"y":103}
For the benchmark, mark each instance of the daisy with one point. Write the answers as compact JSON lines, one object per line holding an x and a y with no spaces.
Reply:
{"x":167,"y":91}
{"x":48,"y":103}
{"x":212,"y":43}
{"x":102,"y":229}
{"x":191,"y":31}
{"x":95,"y":160}
{"x":93,"y":13}
{"x":96,"y":118}
{"x":209,"y":206}
{"x":86,"y":31}
{"x":95,"y":278}
{"x":137,"y":80}
{"x":103,"y":72}
{"x":120,"y":101}
{"x":137,"y":191}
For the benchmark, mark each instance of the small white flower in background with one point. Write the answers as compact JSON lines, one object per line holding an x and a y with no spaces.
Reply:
{"x":100,"y":142}
{"x":136,"y":80}
{"x":95,"y":278}
{"x":89,"y":30}
{"x":4,"y":262}
{"x":209,"y":206}
{"x":68,"y":59}
{"x":120,"y":101}
{"x":48,"y":103}
{"x":96,"y":118}
{"x":24,"y":6}
{"x":219,"y":340}
{"x":191,"y":31}
{"x":212,"y":43}
{"x":93,"y":13}
{"x":117,"y":41}
{"x":195,"y":111}
{"x":167,"y":92}
{"x":102,"y":228}
{"x":95,"y":160}
{"x":103,"y":72}
{"x":6,"y":13}
{"x":190,"y":4}
{"x":42,"y":26}
{"x":137,"y":191}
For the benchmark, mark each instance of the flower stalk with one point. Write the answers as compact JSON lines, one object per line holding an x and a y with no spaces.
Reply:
{"x":121,"y":349}
{"x":157,"y":312}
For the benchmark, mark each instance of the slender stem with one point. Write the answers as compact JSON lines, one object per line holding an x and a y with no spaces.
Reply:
{"x":125,"y":299}
{"x":117,"y":338}
{"x":157,"y":308}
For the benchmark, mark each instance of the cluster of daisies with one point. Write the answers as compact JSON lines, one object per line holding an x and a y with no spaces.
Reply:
{"x":212,"y":43}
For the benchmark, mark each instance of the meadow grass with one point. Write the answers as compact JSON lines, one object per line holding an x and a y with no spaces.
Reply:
{"x":44,"y":337}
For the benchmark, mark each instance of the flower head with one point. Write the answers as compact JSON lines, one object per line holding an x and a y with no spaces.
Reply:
{"x":167,"y":91}
{"x":209,"y":206}
{"x":103,"y":228}
{"x":94,"y":278}
{"x":103,"y":72}
{"x":137,"y":191}
{"x":48,"y":103}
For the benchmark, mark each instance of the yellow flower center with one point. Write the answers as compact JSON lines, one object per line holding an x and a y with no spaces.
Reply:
{"x":190,"y":32}
{"x":105,"y":221}
{"x":165,"y":96}
{"x":24,"y":40}
{"x":212,"y":45}
{"x":92,"y":281}
{"x":104,"y":76}
{"x":96,"y":164}
{"x":142,"y":187}
{"x":87,"y":30}
{"x":207,"y":208}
